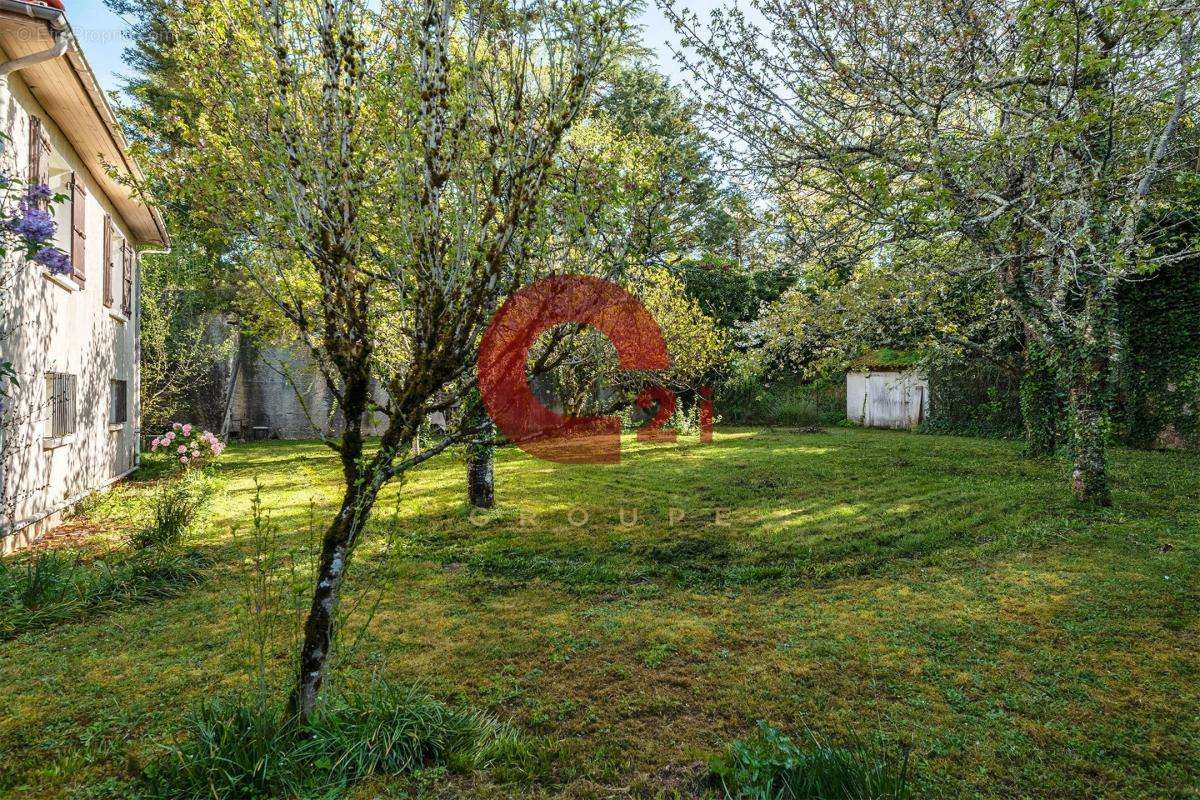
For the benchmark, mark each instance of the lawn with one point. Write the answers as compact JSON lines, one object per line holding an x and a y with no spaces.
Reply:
{"x":936,"y":592}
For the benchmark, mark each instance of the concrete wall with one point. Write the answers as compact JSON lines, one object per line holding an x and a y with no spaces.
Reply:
{"x":887,"y":399}
{"x":279,"y":388}
{"x":52,"y":324}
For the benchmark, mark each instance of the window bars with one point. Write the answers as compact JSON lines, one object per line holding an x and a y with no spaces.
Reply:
{"x":61,"y":393}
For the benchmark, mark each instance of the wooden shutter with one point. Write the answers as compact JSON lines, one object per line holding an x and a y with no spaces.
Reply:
{"x":39,"y":155}
{"x":78,"y":236}
{"x":118,"y":408}
{"x":35,"y":149}
{"x":72,"y":404}
{"x":108,"y":254}
{"x":43,"y":176}
{"x":127,"y":266}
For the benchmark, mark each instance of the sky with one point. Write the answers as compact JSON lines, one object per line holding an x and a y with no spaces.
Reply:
{"x":101,"y":34}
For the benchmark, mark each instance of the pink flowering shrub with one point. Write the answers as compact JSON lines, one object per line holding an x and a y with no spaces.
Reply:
{"x":191,"y":447}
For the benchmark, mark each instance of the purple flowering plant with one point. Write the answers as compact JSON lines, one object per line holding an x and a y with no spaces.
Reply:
{"x":32,"y":228}
{"x":27,"y":227}
{"x":33,"y":225}
{"x":54,"y":260}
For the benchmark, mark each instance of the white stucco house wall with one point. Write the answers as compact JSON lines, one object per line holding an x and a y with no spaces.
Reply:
{"x":882,"y":393}
{"x":73,"y":425}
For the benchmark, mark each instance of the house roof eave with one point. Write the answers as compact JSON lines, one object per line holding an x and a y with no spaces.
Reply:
{"x":69,"y":93}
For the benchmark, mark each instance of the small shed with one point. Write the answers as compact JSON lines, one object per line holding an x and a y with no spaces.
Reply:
{"x":887,"y":389}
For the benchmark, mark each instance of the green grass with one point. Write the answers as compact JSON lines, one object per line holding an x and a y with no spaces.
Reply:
{"x":238,"y":746}
{"x":938,"y":595}
{"x":48,"y":587}
{"x":771,"y":766}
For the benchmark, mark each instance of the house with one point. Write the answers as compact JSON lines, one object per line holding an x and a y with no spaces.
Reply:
{"x":887,"y":389}
{"x":72,"y":425}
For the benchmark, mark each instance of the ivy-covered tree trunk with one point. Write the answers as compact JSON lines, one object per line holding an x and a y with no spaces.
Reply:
{"x":1090,"y":369}
{"x":1041,"y":406}
{"x":1089,"y":476}
{"x":481,"y":478}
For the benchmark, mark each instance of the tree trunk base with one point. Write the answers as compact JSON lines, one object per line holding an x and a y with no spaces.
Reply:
{"x":481,"y":481}
{"x":1087,"y":489}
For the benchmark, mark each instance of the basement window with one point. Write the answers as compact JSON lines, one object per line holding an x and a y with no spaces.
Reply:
{"x":118,"y":406}
{"x":61,"y":395}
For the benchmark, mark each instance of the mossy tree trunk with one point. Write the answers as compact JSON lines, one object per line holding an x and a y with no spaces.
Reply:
{"x":364,"y":477}
{"x":1089,"y":475}
{"x":336,"y":548}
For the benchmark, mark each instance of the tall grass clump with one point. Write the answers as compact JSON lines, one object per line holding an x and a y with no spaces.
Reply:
{"x":50,"y":587}
{"x":394,"y":730}
{"x":741,"y":398}
{"x":751,"y":399}
{"x":177,"y":505}
{"x":795,"y":412}
{"x":33,"y":582}
{"x":238,"y":747}
{"x":771,"y":766}
{"x":242,"y":745}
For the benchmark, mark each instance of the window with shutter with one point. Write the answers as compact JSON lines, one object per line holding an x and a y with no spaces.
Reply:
{"x":108,"y":259}
{"x":78,"y":236}
{"x":129,"y":263}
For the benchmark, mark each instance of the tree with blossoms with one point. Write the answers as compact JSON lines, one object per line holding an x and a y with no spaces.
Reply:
{"x":1041,"y":141}
{"x":385,"y":169}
